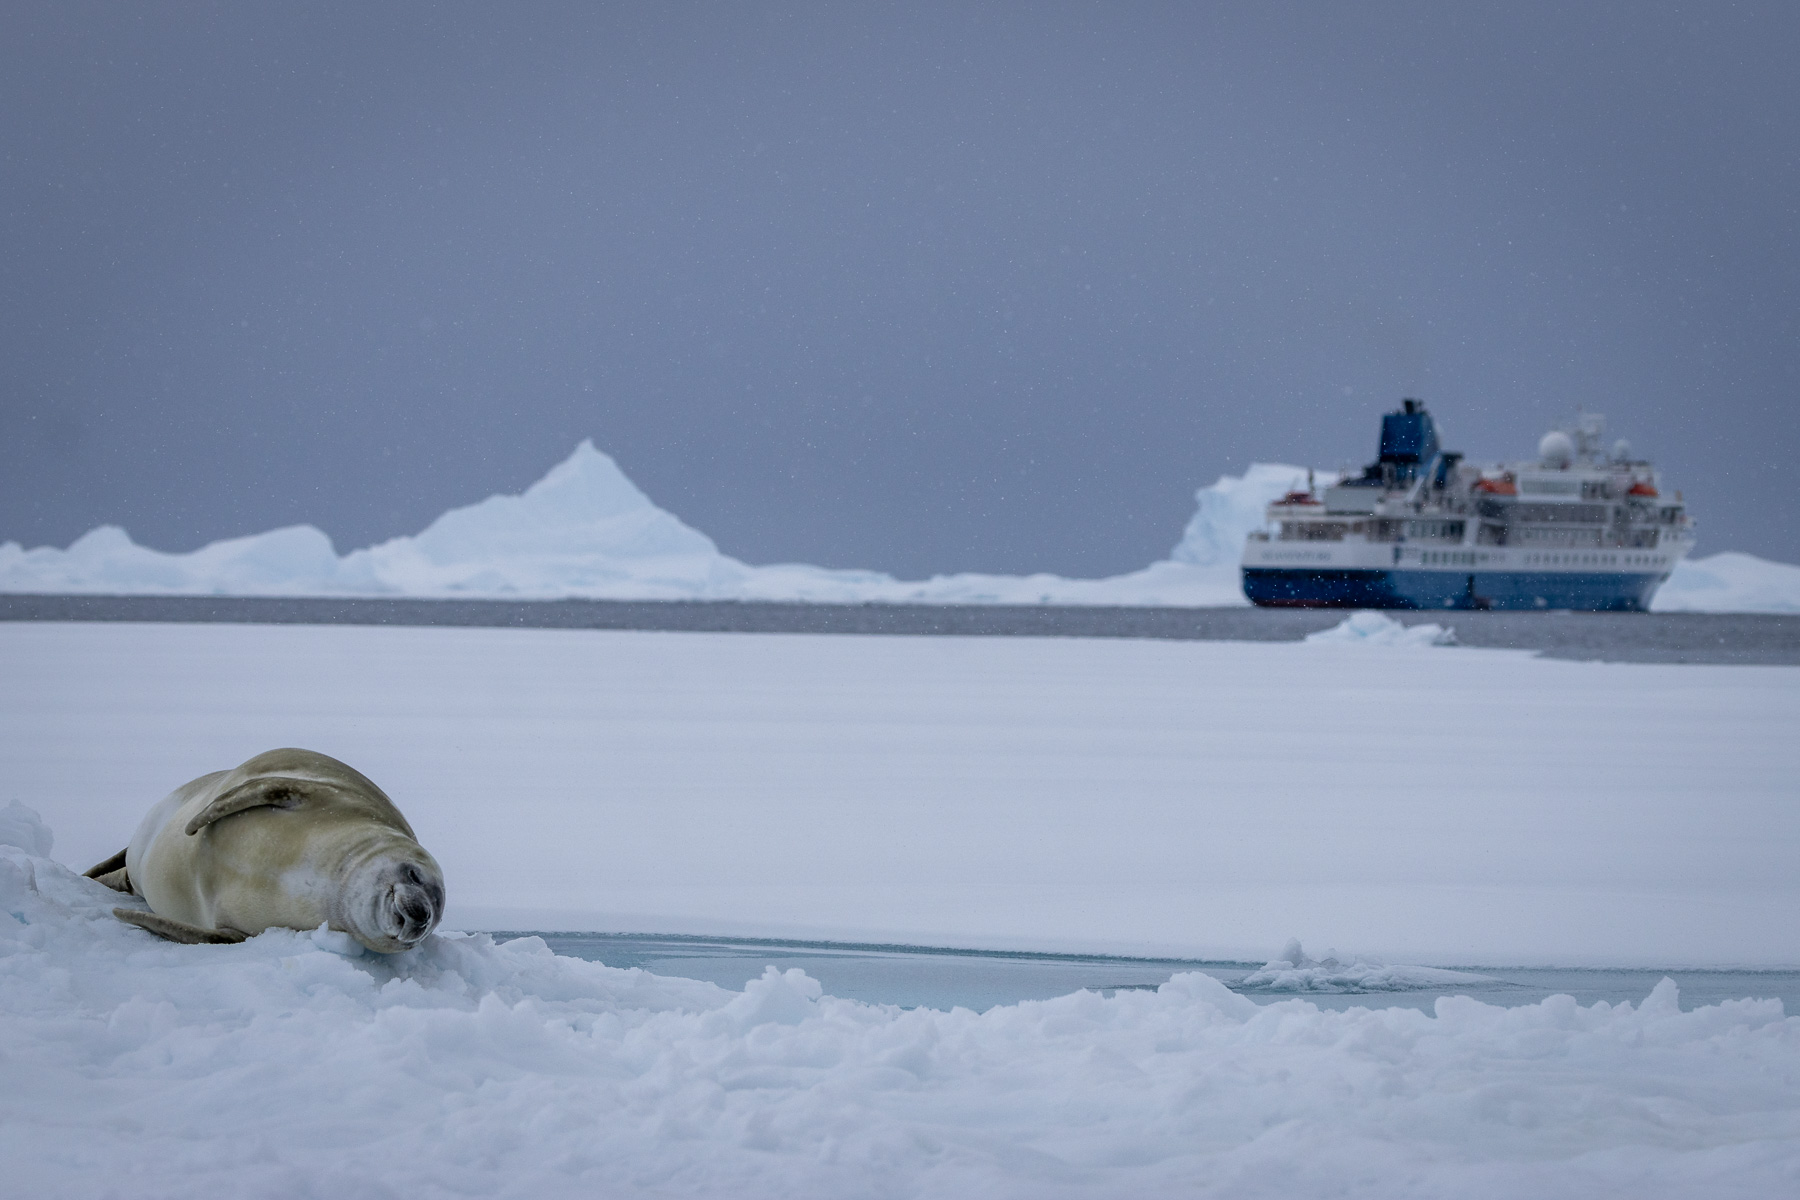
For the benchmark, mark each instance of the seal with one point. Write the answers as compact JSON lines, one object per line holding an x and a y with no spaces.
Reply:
{"x":291,"y":838}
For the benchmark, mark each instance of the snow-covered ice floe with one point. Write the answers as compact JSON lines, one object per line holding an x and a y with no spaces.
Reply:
{"x":585,"y":530}
{"x":1294,"y":972}
{"x":295,"y":1064}
{"x":1082,"y":795}
{"x":1378,"y":629}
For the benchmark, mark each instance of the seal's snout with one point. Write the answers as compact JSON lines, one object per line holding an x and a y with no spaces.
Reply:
{"x":413,"y":905}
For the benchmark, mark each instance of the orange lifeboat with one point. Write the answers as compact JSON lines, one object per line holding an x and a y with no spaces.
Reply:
{"x":1504,"y":486}
{"x":1640,"y":488}
{"x":1297,"y":498}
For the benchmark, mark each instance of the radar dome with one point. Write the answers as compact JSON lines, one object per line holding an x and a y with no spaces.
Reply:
{"x":1621,"y":451}
{"x":1556,"y":449}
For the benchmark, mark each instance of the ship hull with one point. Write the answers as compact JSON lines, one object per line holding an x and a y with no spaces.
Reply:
{"x":1502,"y":590}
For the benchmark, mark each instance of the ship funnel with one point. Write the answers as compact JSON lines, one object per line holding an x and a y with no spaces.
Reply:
{"x":1408,"y":437}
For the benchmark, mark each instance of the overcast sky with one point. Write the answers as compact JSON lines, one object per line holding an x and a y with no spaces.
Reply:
{"x":915,"y":287}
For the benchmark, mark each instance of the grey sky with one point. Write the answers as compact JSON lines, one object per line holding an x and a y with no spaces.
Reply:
{"x":921,"y":287}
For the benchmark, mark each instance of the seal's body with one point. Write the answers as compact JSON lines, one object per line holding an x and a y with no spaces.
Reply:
{"x":290,"y":838}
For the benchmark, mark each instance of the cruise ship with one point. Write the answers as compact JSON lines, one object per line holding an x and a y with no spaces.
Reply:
{"x":1577,"y":528}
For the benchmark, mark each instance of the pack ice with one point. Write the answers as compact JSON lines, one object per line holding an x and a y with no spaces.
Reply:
{"x":297,"y":1065}
{"x":585,"y":530}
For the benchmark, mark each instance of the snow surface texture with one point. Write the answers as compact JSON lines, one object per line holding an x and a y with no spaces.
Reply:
{"x":296,"y":1065}
{"x":1377,"y":629}
{"x":586,"y":530}
{"x":1202,"y":799}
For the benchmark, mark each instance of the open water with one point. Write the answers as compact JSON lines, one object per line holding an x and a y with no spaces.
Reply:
{"x":928,"y":977}
{"x":1610,"y":637}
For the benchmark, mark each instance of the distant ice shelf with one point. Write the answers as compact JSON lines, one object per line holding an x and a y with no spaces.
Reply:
{"x":586,"y":531}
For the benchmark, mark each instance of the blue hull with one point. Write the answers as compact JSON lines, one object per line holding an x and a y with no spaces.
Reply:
{"x":1509,"y":590}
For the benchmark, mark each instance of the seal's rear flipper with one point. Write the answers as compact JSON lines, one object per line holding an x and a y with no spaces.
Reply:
{"x":178,"y":931}
{"x":111,"y":873}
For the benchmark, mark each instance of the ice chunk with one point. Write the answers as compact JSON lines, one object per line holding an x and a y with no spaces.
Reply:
{"x":22,"y":827}
{"x":1294,"y":972}
{"x":336,"y":941}
{"x":1368,"y":628}
{"x":779,"y":998}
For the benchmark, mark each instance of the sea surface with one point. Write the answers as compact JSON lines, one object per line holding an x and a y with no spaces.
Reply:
{"x":929,"y":977}
{"x":1729,"y":638}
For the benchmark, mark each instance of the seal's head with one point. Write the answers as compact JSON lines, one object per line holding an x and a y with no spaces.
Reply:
{"x":332,"y":840}
{"x":392,"y":898}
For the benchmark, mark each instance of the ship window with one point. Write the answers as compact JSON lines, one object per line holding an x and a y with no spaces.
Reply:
{"x":1313,"y":531}
{"x":1435,"y":529}
{"x":1549,"y":487}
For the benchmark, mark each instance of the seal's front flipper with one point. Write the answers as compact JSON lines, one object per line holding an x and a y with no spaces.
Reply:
{"x":267,"y":791}
{"x":111,"y":873}
{"x":178,"y":931}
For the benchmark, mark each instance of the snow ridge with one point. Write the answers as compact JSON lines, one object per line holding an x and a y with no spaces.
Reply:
{"x":294,"y":1064}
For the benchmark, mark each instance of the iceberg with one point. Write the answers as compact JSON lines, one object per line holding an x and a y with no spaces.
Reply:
{"x":294,"y":561}
{"x":1730,"y":582}
{"x":583,"y":529}
{"x":1227,"y":512}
